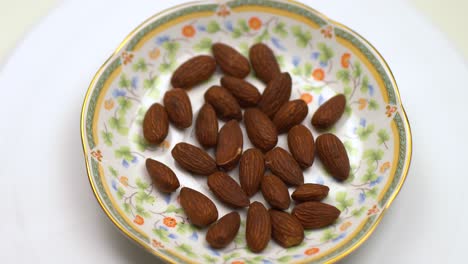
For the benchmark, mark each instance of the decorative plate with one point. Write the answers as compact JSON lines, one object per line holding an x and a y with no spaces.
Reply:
{"x":323,"y":57}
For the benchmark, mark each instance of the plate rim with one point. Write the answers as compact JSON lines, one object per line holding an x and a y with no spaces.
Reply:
{"x":128,"y":38}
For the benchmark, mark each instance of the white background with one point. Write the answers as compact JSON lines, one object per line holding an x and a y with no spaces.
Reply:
{"x":49,"y":214}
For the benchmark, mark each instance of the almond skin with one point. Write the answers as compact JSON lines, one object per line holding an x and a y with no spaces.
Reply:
{"x":163,"y":177}
{"x":229,"y":148}
{"x":194,"y":71}
{"x":276,"y":94}
{"x":193,"y":159}
{"x":251,"y":170}
{"x":290,"y":114}
{"x":224,"y":103}
{"x":301,"y":145}
{"x":329,"y":112}
{"x":310,"y":192}
{"x":246,"y":94}
{"x":227,"y":190}
{"x":200,"y":209}
{"x":275,"y":192}
{"x":230,"y":60}
{"x":283,"y":165}
{"x":263,"y":62}
{"x":258,"y":227}
{"x":155,"y":124}
{"x":224,"y":231}
{"x":206,"y":126}
{"x":333,"y":155}
{"x":260,"y":130}
{"x":286,"y":229}
{"x":314,"y":215}
{"x":178,"y":107}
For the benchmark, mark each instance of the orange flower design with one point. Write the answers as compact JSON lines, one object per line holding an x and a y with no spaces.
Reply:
{"x":138,"y":220}
{"x":188,"y":31}
{"x":373,"y":210}
{"x":312,"y":251}
{"x":362,"y":103}
{"x":237,"y":262}
{"x":327,"y":32}
{"x":157,"y":244}
{"x":124,"y":181}
{"x":307,"y":98}
{"x":385,"y":167}
{"x":345,"y":60}
{"x":390,"y":110}
{"x":345,"y":226}
{"x":109,"y":104}
{"x":165,"y":144}
{"x":154,"y":53}
{"x":127,"y":57}
{"x":318,"y":74}
{"x":169,"y":221}
{"x":255,"y":23}
{"x":223,"y":11}
{"x":97,"y":154}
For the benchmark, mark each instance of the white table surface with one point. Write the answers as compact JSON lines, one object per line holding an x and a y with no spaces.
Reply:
{"x":49,"y":214}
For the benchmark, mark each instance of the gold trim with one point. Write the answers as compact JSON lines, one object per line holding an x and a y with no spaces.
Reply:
{"x":129,"y":36}
{"x":395,"y":159}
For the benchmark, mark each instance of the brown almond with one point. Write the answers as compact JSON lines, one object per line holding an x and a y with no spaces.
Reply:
{"x":230,"y":60}
{"x":193,"y":71}
{"x":260,"y":130}
{"x":313,"y":215}
{"x":283,"y":165}
{"x":200,"y":210}
{"x":301,"y":145}
{"x":275,"y":192}
{"x":206,"y":126}
{"x":193,"y":159}
{"x":178,"y":107}
{"x":251,"y":170}
{"x":276,"y":94}
{"x":163,"y":177}
{"x":246,"y":94}
{"x":263,"y":62}
{"x":229,"y":148}
{"x":333,"y":155}
{"x":227,"y":190}
{"x":310,"y":192}
{"x":224,"y":103}
{"x":258,"y":227}
{"x":286,"y":229}
{"x":290,"y":114}
{"x":329,"y":112}
{"x":221,"y":233}
{"x":155,"y":124}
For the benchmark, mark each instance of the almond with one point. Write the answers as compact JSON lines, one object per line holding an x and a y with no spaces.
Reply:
{"x":155,"y":124}
{"x":179,"y":108}
{"x":263,"y":62}
{"x":194,"y":71}
{"x":224,"y":231}
{"x":258,"y":227}
{"x":200,"y":209}
{"x":163,"y":177}
{"x":206,"y":126}
{"x":313,"y":215}
{"x":310,"y":192}
{"x":224,"y":103}
{"x":283,"y":165}
{"x":230,"y":60}
{"x":260,"y":130}
{"x":333,"y":155}
{"x":246,"y":94}
{"x":193,"y":159}
{"x":275,"y":192}
{"x":286,"y":229}
{"x":329,"y":112}
{"x":227,"y":190}
{"x":251,"y":170}
{"x":301,"y":145}
{"x":275,"y":94}
{"x":290,"y":114}
{"x":229,"y":149}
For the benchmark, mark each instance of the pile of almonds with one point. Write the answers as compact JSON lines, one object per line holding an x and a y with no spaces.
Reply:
{"x":266,"y":115}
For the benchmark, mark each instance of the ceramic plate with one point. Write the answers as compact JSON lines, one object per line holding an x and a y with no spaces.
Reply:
{"x":323,"y":57}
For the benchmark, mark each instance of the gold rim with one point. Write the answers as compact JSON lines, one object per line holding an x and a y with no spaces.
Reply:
{"x":331,"y":21}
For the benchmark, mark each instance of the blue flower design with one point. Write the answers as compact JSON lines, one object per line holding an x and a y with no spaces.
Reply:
{"x":214,"y":252}
{"x":161,"y":39}
{"x":163,"y":227}
{"x":320,"y":100}
{"x":377,"y":181}
{"x":167,"y":198}
{"x":371,"y":89}
{"x":266,"y":261}
{"x":135,"y":159}
{"x":228,"y":25}
{"x":315,"y":55}
{"x":320,"y":181}
{"x":114,"y":185}
{"x":323,"y":64}
{"x":194,"y":236}
{"x":297,"y":256}
{"x":173,"y":236}
{"x":201,"y":28}
{"x":338,"y":238}
{"x":134,"y":82}
{"x":296,"y":60}
{"x":277,"y":43}
{"x":118,"y":92}
{"x":362,"y":197}
{"x":125,"y":163}
{"x":362,"y":122}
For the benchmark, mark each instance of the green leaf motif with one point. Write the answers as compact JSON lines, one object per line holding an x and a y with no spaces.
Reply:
{"x":244,"y":49}
{"x":113,"y":171}
{"x":141,"y":211}
{"x":173,"y":209}
{"x":280,"y":60}
{"x":239,"y":239}
{"x":284,"y":259}
{"x":150,"y":83}
{"x":124,"y":153}
{"x":365,"y":132}
{"x":209,"y":259}
{"x":212,"y":27}
{"x":344,"y":76}
{"x":352,"y":151}
{"x":166,"y":67}
{"x":358,"y":212}
{"x":372,"y":192}
{"x":263,"y":36}
{"x":124,"y":105}
{"x":373,"y":156}
{"x":365,"y":84}
{"x":184,"y":228}
{"x":348,"y":110}
{"x":296,"y":71}
{"x":357,"y":69}
{"x":302,"y":37}
{"x":143,"y":197}
{"x":127,"y":208}
{"x":328,"y":235}
{"x":307,"y":69}
{"x":243,"y":25}
{"x":352,"y":174}
{"x":347,"y":91}
{"x":203,"y":45}
{"x":373,"y":105}
{"x":140,"y":142}
{"x":343,"y":203}
{"x":162,"y":234}
{"x":315,"y":89}
{"x":187,"y":249}
{"x":382,"y":136}
{"x":280,"y":30}
{"x":120,"y":192}
{"x":141,"y":184}
{"x":140,"y":65}
{"x":326,"y":53}
{"x":124,"y":82}
{"x":236,"y":33}
{"x":107,"y":137}
{"x":231,"y":256}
